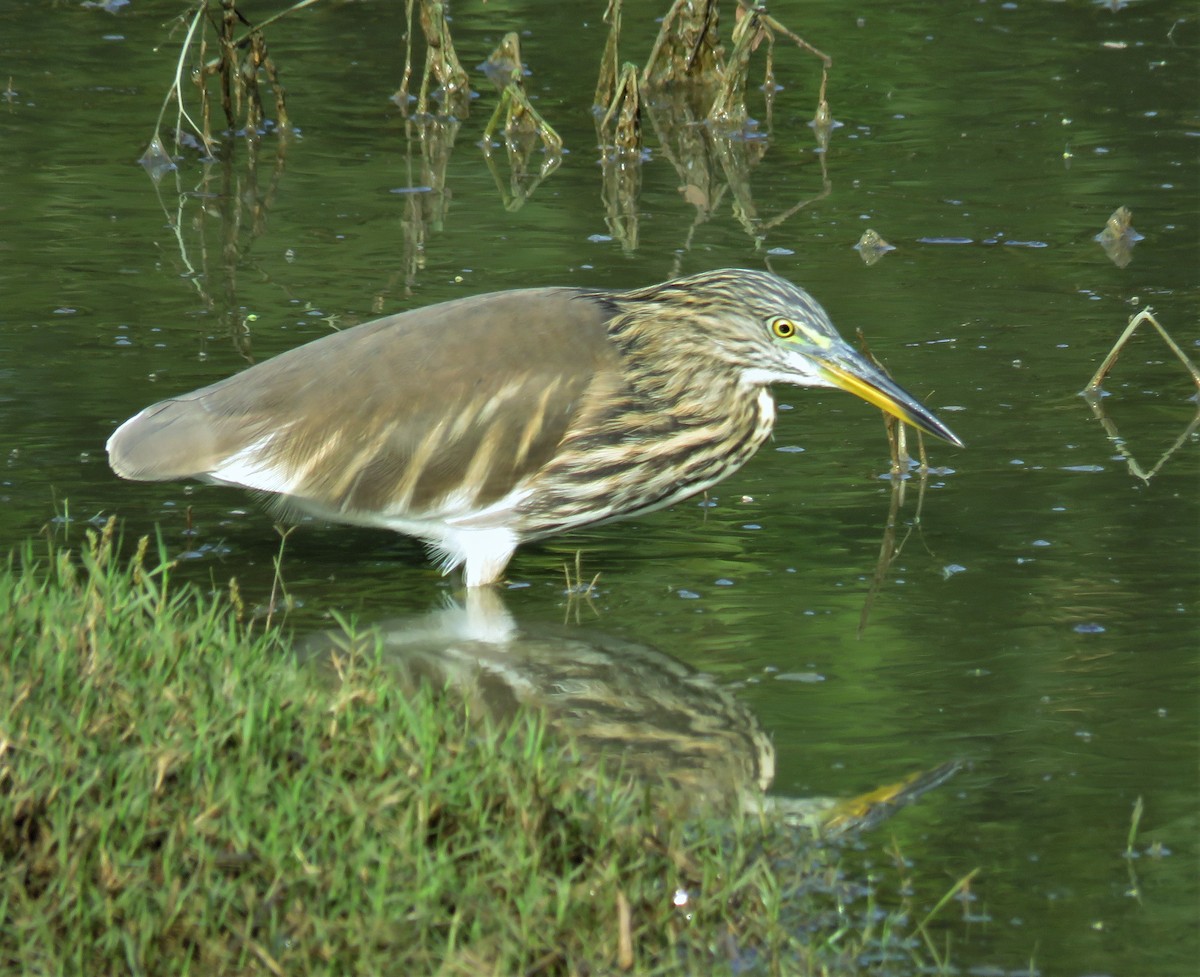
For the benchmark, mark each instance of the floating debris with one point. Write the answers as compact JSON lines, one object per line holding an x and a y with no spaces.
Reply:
{"x":1119,"y":237}
{"x":156,"y":160}
{"x":871,"y":247}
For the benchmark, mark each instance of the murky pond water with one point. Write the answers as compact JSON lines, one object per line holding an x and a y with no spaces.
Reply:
{"x":1039,"y":620}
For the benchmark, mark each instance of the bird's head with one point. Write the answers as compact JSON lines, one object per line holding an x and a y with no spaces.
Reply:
{"x":763,"y":329}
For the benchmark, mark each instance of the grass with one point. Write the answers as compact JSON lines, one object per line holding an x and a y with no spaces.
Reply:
{"x":179,"y":796}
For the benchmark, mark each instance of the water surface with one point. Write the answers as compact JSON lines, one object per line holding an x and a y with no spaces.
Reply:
{"x":1040,"y":618}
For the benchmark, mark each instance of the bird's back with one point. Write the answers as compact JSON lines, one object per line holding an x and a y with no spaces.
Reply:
{"x":454,"y":402}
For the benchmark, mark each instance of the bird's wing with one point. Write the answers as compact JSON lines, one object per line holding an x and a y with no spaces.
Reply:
{"x":436,"y":411}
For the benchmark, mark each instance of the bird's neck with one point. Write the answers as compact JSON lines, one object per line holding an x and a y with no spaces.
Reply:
{"x":684,"y":392}
{"x":672,"y":366}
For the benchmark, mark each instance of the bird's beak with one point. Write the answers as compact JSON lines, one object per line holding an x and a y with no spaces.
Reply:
{"x":856,"y":374}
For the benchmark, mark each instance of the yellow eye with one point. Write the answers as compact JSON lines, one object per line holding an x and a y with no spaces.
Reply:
{"x":783,"y":328}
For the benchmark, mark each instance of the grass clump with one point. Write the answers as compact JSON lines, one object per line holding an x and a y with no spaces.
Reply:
{"x":178,"y":796}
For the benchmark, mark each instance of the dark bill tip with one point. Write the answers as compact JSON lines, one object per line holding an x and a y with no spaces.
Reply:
{"x":876,"y":387}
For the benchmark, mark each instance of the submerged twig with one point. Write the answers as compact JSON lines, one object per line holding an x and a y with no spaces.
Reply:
{"x":521,"y":119}
{"x":621,"y":159}
{"x":889,"y":547}
{"x":426,"y":198}
{"x":606,"y":82}
{"x":1135,"y":468}
{"x":523,"y":127}
{"x":896,"y":429}
{"x":1146,"y":315}
{"x":175,"y":91}
{"x":278,"y":588}
{"x":442,"y":69}
{"x":242,"y":57}
{"x":1135,"y":820}
{"x":1092,"y":393}
{"x":577,"y":590}
{"x":687,"y":46}
{"x":962,"y":885}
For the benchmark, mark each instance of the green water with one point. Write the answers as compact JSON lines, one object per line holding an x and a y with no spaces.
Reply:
{"x":1040,"y":619}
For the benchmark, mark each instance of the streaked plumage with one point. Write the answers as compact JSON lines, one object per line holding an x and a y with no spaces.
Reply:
{"x":489,"y":421}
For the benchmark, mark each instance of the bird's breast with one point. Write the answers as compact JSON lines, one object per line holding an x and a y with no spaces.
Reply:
{"x":645,"y":457}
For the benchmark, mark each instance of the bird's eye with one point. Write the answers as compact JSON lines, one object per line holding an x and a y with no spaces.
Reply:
{"x":783,"y":328}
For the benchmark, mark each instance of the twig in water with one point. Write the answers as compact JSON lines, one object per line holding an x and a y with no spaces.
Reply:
{"x":277,"y":585}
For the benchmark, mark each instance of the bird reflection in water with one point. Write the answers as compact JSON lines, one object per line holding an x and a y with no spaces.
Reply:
{"x":623,"y":704}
